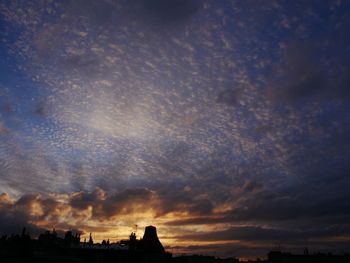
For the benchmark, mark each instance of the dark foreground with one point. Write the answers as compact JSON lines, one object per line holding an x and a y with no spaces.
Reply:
{"x":51,"y":248}
{"x":91,"y":255}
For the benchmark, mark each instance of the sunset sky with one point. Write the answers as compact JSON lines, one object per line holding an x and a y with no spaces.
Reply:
{"x":223,"y":123}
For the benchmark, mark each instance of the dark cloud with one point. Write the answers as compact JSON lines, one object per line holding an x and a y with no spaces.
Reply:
{"x":133,"y":200}
{"x":105,"y":205}
{"x":199,"y":220}
{"x":3,"y":129}
{"x":116,"y":13}
{"x":126,"y":202}
{"x":304,"y":73}
{"x":6,"y":108}
{"x":30,"y":209}
{"x":300,"y":202}
{"x":181,"y":199}
{"x":81,"y":200}
{"x":27,"y":200}
{"x":171,"y":10}
{"x":88,"y":65}
{"x":251,"y":186}
{"x":263,"y":129}
{"x":13,"y":223}
{"x":13,"y":216}
{"x":244,"y":233}
{"x":257,"y":233}
{"x":230,"y":97}
{"x":8,"y":103}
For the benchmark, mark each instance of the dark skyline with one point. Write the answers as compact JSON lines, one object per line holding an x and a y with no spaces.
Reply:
{"x":224,"y":123}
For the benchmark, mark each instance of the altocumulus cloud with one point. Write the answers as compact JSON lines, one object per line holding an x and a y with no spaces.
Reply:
{"x":224,"y":123}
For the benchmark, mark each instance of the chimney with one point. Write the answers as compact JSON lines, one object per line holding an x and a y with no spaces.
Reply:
{"x":150,"y":241}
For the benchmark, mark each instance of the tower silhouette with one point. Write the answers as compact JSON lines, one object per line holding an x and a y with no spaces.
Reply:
{"x":150,"y":241}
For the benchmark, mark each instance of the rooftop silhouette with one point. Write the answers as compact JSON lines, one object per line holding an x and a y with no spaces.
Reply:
{"x":150,"y":241}
{"x":49,"y":247}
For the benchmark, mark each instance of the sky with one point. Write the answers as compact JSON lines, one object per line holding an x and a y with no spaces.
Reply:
{"x":223,"y":123}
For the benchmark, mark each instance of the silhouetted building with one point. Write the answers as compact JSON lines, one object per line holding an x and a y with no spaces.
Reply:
{"x":150,"y":242}
{"x":71,"y":240}
{"x":91,"y":241}
{"x":51,"y":248}
{"x":49,"y":238}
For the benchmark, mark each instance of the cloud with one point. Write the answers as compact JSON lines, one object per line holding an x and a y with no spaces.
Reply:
{"x":301,"y":201}
{"x":13,"y":223}
{"x":171,"y":10}
{"x":65,"y":210}
{"x":82,"y":200}
{"x":116,"y":13}
{"x":251,"y":186}
{"x":173,"y":198}
{"x":105,"y":206}
{"x":298,"y":202}
{"x":3,"y":129}
{"x":273,"y":235}
{"x":133,"y":92}
{"x":13,"y":216}
{"x":230,"y":97}
{"x":303,"y":74}
{"x":126,"y":202}
{"x":199,"y":220}
{"x":252,"y":219}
